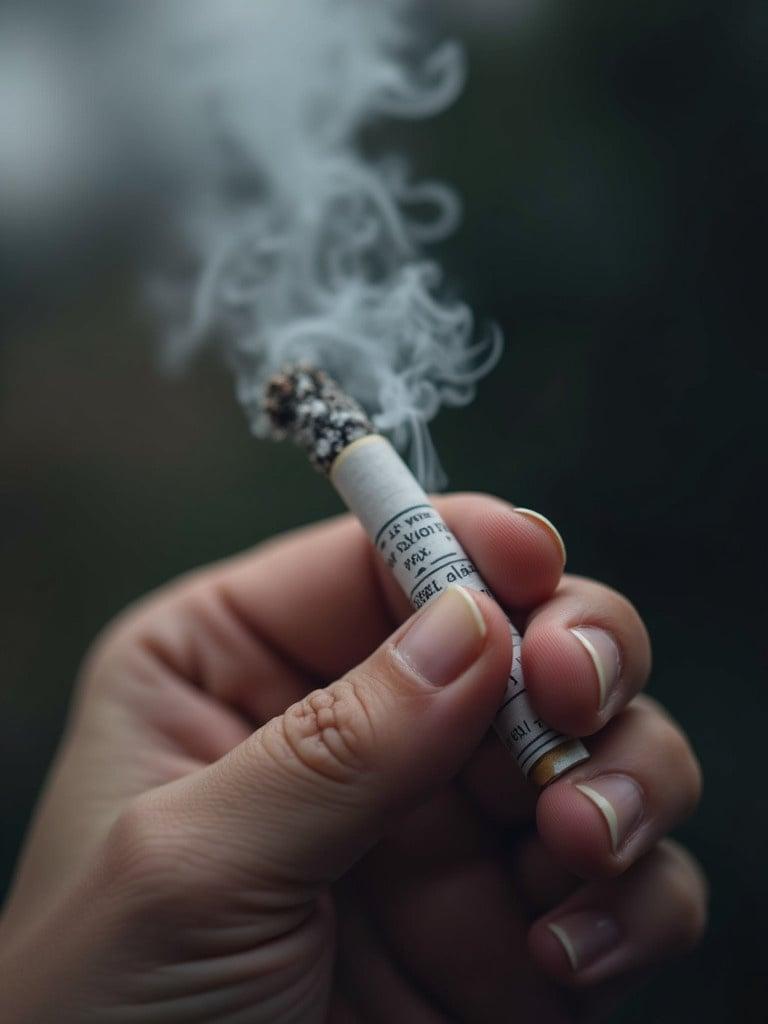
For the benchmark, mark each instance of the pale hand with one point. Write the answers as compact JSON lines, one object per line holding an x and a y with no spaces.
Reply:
{"x":369,"y":853}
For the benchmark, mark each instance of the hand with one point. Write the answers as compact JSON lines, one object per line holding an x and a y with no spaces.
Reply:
{"x":369,"y":853}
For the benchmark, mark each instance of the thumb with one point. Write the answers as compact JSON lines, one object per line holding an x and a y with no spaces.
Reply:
{"x":306,"y":795}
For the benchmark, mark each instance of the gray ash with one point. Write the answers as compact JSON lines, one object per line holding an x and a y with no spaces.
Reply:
{"x":307,"y":406}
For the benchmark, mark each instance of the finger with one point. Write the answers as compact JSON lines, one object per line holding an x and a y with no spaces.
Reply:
{"x":642,"y":780}
{"x":256,"y":631}
{"x":324,"y":596}
{"x":585,"y":655}
{"x":441,"y":893}
{"x":612,"y":928}
{"x":561,"y":675}
{"x":368,"y":973}
{"x":307,"y":794}
{"x":260,"y":630}
{"x":519,"y":553}
{"x":539,"y":877}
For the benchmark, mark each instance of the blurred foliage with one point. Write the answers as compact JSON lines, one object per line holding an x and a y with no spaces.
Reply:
{"x":613,"y":159}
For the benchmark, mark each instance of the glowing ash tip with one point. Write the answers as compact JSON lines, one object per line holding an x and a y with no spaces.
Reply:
{"x":308,"y":407}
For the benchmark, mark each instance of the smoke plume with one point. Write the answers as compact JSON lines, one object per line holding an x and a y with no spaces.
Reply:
{"x":299,"y":247}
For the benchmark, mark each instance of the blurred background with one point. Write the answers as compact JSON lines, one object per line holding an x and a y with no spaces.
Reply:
{"x":613,"y":160}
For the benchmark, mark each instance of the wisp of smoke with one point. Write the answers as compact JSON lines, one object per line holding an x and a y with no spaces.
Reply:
{"x":301,"y":247}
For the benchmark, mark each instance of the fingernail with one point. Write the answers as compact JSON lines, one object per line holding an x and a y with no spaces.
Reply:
{"x":604,"y":652}
{"x":445,"y":639}
{"x":586,"y":936}
{"x":620,"y":801}
{"x":551,"y":528}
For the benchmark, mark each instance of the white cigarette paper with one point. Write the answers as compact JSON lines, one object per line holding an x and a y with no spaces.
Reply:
{"x":426,"y":559}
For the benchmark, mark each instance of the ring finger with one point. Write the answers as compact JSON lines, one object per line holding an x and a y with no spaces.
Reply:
{"x":641,"y":781}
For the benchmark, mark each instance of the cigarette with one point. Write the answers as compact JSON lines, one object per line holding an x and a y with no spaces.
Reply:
{"x":306,"y":405}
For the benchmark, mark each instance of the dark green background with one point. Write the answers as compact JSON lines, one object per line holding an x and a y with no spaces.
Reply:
{"x":613,"y":157}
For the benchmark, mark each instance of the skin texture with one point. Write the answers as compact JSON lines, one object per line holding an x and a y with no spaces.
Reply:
{"x":222,"y":841}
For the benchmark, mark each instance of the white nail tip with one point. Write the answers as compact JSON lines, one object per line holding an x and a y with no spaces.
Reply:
{"x":549,"y":525}
{"x":602,"y":679}
{"x":562,"y":936}
{"x":606,"y":809}
{"x":473,"y":609}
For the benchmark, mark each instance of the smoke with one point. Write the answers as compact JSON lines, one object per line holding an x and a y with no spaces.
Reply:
{"x":298,"y":246}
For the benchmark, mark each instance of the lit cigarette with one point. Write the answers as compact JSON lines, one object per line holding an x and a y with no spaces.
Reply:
{"x":307,"y":406}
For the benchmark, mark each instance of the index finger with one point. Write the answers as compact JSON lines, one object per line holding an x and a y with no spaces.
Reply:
{"x":323,"y":597}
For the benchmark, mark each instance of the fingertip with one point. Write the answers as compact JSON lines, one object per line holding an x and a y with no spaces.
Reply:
{"x":551,"y":948}
{"x":517,"y":552}
{"x":573,"y":828}
{"x":620,"y":928}
{"x":527,"y":555}
{"x":550,"y":528}
{"x":579,"y":945}
{"x":566,"y":685}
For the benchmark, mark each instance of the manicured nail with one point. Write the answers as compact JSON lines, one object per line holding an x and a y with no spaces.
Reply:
{"x":446,"y":638}
{"x":550,"y":527}
{"x":604,"y":652}
{"x":586,"y":936}
{"x":620,"y":801}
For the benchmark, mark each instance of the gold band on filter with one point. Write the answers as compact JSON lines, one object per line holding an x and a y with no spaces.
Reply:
{"x":557,"y":761}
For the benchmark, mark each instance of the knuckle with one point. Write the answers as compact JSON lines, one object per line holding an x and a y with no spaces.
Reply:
{"x":642,"y":638}
{"x":623,"y":618}
{"x":160,"y":878}
{"x":114,"y":656}
{"x":636,"y":641}
{"x":683,"y":765}
{"x":141,"y":849}
{"x":694,"y":784}
{"x":687,"y":894}
{"x":672,"y":742}
{"x":329,"y":733}
{"x":108,"y":646}
{"x":691,"y":918}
